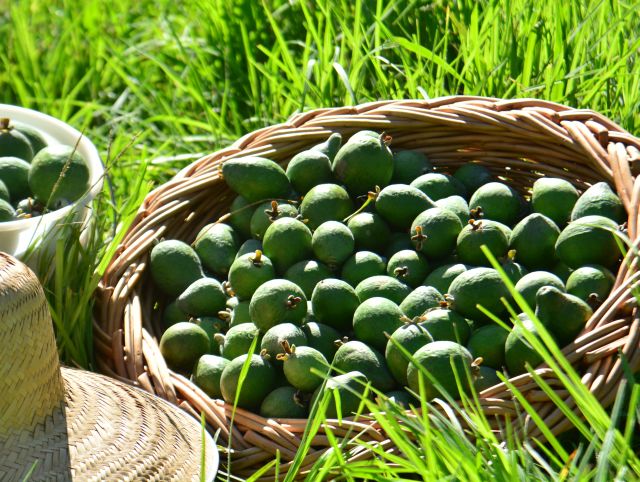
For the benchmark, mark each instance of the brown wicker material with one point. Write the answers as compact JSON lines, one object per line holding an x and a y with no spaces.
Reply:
{"x":67,"y":424}
{"x":518,"y":140}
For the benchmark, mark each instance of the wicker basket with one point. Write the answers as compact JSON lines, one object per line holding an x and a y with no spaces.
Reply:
{"x":518,"y":140}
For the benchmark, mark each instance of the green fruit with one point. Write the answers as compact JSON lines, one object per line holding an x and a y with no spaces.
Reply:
{"x":478,"y":286}
{"x":518,"y":352}
{"x":530,"y":283}
{"x":534,"y":239}
{"x":248,"y":272}
{"x":332,"y":243}
{"x":14,"y":172}
{"x":203,"y":297}
{"x":334,"y":302}
{"x":554,"y":198}
{"x":238,"y":340}
{"x":250,"y":246}
{"x":375,"y":317}
{"x":591,"y":280}
{"x":410,"y":337}
{"x":274,"y":336}
{"x":408,"y":165}
{"x":473,"y":175}
{"x":35,"y":138}
{"x":442,"y":277}
{"x":325,"y":202}
{"x":363,"y":163}
{"x":486,"y":377}
{"x":488,"y":342}
{"x":308,"y":169}
{"x":216,"y":245}
{"x":307,"y":274}
{"x":444,"y":324}
{"x":7,"y":212}
{"x":399,"y":204}
{"x":398,"y":242}
{"x":498,"y":202}
{"x":513,"y":270}
{"x":434,"y":232}
{"x":443,"y":361}
{"x":481,"y":233}
{"x":207,"y":374}
{"x":172,"y":314}
{"x":58,"y":173}
{"x":303,"y":367}
{"x":277,"y":301}
{"x":401,"y":398}
{"x":562,"y":271}
{"x":241,"y":211}
{"x":329,"y":147}
{"x":349,"y":389}
{"x":355,"y":355}
{"x":457,"y":205}
{"x":4,"y":191}
{"x":240,"y":314}
{"x":182,"y":345}
{"x":409,"y":267}
{"x":384,"y":286}
{"x":437,"y":185}
{"x":256,"y":178}
{"x":266,"y":213}
{"x":212,"y":326}
{"x":13,"y":143}
{"x":286,"y":242}
{"x":599,"y":200}
{"x":588,"y":240}
{"x":370,"y":232}
{"x":363,"y":265}
{"x":420,"y":300}
{"x":321,"y":337}
{"x":259,"y":381}
{"x":563,"y":314}
{"x":165,"y":257}
{"x":283,"y":402}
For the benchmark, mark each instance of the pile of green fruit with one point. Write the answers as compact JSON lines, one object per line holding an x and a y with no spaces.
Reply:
{"x":356,"y":255}
{"x":35,"y":176}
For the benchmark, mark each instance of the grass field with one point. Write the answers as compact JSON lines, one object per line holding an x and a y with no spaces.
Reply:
{"x":156,"y":85}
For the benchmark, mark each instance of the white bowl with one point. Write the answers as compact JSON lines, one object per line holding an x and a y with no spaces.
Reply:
{"x":16,"y":237}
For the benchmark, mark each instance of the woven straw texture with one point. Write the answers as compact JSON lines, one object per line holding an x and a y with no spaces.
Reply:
{"x":519,"y":140}
{"x":72,"y":424}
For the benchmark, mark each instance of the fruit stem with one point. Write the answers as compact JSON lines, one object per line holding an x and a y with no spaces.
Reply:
{"x":224,"y":315}
{"x":386,"y":138}
{"x":594,"y":301}
{"x":4,"y":123}
{"x":475,"y":225}
{"x":288,"y":349}
{"x":371,"y":196}
{"x":257,"y":258}
{"x":446,"y":303}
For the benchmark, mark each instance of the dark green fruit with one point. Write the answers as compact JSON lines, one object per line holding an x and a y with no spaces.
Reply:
{"x":408,"y":165}
{"x":274,"y":336}
{"x":4,"y":191}
{"x":13,"y":143}
{"x":443,"y":361}
{"x":478,"y":286}
{"x":207,"y":374}
{"x":588,"y":240}
{"x":472,"y":176}
{"x":370,"y":232}
{"x":355,"y":355}
{"x":599,"y":200}
{"x":399,"y":204}
{"x":530,"y":283}
{"x":434,"y":232}
{"x":444,"y":324}
{"x":165,"y":257}
{"x":241,"y":211}
{"x":256,"y":178}
{"x":408,"y":266}
{"x":442,"y":277}
{"x":7,"y":212}
{"x":325,"y":202}
{"x":172,"y":314}
{"x":58,"y":173}
{"x":277,"y":301}
{"x":321,"y":337}
{"x":212,"y":326}
{"x":240,"y":314}
{"x":514,"y":271}
{"x":266,"y":213}
{"x":554,"y":198}
{"x":308,"y":169}
{"x":34,"y":136}
{"x":330,"y":147}
{"x":486,"y":377}
{"x":363,"y":163}
{"x":334,"y":302}
{"x":217,"y":245}
{"x":14,"y":172}
{"x":498,"y":202}
{"x":307,"y":274}
{"x":375,"y":317}
{"x":476,"y":234}
{"x":283,"y":402}
{"x":401,"y":398}
{"x":203,"y":297}
{"x":562,"y":271}
{"x":518,"y":352}
{"x":457,"y":205}
{"x":591,"y":280}
{"x":437,"y":185}
{"x":563,"y":314}
{"x":363,"y":265}
{"x":259,"y":381}
{"x":332,"y":243}
{"x":398,"y":242}
{"x":182,"y":345}
{"x":384,"y":286}
{"x":411,"y":337}
{"x":303,"y":366}
{"x":349,"y":389}
{"x":534,"y":239}
{"x":238,"y":340}
{"x":420,"y":300}
{"x":488,"y":342}
{"x":250,"y":246}
{"x":248,"y":272}
{"x":286,"y":242}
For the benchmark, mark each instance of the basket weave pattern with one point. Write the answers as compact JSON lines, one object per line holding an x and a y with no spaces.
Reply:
{"x":518,"y":140}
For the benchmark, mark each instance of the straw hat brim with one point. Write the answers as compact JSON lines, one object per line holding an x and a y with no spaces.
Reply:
{"x":108,"y":430}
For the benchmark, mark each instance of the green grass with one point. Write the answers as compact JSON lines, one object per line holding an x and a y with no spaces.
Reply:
{"x":157,"y":84}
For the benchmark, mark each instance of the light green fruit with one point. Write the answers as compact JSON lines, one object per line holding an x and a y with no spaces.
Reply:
{"x":554,"y":198}
{"x":260,"y":379}
{"x":444,"y":324}
{"x":334,"y":302}
{"x":563,"y":314}
{"x":477,"y":234}
{"x":203,"y":297}
{"x":248,"y":272}
{"x":7,"y":212}
{"x":172,"y":314}
{"x":256,"y":178}
{"x":442,"y":276}
{"x":321,"y":337}
{"x":590,"y":280}
{"x":420,"y":300}
{"x":355,"y":355}
{"x":165,"y":257}
{"x":438,"y":185}
{"x":488,"y":342}
{"x":332,"y":243}
{"x":238,"y":340}
{"x":329,"y":147}
{"x":13,"y":142}
{"x":409,"y":165}
{"x":599,"y":200}
{"x":348,"y":388}
{"x":207,"y":374}
{"x":266,"y":213}
{"x":240,"y":314}
{"x":325,"y":202}
{"x":375,"y":317}
{"x":14,"y":172}
{"x":457,"y":205}
{"x":182,"y":345}
{"x":274,"y":337}
{"x":473,"y":175}
{"x":241,"y":211}
{"x":307,"y":274}
{"x":286,"y":242}
{"x":530,"y":283}
{"x":478,"y":286}
{"x":277,"y":301}
{"x":498,"y":202}
{"x":308,"y":169}
{"x":399,"y":204}
{"x":408,"y":266}
{"x":588,"y":240}
{"x":518,"y":352}
{"x":362,"y":265}
{"x":283,"y":402}
{"x":216,"y":245}
{"x":434,"y":232}
{"x":304,"y":366}
{"x":384,"y":286}
{"x":411,"y":337}
{"x":534,"y":239}
{"x":370,"y":232}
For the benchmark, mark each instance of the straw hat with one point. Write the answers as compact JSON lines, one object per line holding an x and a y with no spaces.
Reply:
{"x":66,"y":424}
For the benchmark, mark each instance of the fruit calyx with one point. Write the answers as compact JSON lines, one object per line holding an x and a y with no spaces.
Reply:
{"x":273,"y":213}
{"x":419,"y":238}
{"x":288,"y":351}
{"x":446,"y":303}
{"x":477,"y":213}
{"x":475,"y":365}
{"x":4,"y":124}
{"x":341,"y":341}
{"x":401,"y":272}
{"x":293,"y":301}
{"x":476,"y":225}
